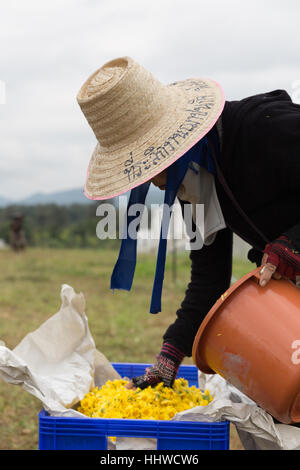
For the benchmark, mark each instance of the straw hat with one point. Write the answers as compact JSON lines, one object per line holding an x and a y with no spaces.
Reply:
{"x":141,"y":125}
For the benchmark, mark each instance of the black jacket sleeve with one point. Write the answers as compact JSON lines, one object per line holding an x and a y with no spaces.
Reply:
{"x":294,"y":235}
{"x":211,"y":270}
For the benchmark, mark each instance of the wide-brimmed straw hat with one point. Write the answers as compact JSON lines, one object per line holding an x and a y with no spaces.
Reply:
{"x":142,"y":126}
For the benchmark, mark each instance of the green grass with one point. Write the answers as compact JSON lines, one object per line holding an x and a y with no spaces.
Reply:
{"x":119,"y":321}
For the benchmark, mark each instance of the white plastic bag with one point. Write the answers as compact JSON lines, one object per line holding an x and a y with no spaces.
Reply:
{"x":58,"y":363}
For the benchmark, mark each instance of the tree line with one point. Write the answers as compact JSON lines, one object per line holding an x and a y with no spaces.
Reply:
{"x":56,"y":226}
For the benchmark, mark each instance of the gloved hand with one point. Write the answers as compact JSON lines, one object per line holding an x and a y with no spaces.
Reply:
{"x":164,"y":370}
{"x":281,"y":259}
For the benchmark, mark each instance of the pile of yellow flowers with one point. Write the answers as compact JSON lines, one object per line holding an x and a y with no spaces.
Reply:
{"x":113,"y":400}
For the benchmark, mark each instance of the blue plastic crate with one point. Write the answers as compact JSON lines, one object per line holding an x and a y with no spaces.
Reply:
{"x":56,"y":433}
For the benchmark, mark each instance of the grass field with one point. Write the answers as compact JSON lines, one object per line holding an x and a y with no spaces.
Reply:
{"x":121,"y":326}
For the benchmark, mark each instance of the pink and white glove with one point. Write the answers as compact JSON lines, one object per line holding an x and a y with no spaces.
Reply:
{"x":281,"y":259}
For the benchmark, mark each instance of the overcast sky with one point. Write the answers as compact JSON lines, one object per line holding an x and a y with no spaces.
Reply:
{"x":49,"y":48}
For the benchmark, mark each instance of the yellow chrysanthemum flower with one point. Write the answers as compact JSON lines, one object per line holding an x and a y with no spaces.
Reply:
{"x":113,"y":400}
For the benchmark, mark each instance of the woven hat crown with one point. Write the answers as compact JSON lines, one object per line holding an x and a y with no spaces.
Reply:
{"x":122,"y":101}
{"x":141,"y":125}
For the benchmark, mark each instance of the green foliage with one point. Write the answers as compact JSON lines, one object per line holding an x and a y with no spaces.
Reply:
{"x":53,"y":226}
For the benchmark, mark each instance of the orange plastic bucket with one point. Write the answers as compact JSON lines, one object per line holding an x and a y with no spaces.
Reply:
{"x":251,"y":337}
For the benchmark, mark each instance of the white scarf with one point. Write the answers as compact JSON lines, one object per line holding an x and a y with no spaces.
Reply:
{"x":198,"y":187}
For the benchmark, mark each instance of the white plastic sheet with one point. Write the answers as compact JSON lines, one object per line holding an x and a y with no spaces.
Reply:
{"x":58,"y":363}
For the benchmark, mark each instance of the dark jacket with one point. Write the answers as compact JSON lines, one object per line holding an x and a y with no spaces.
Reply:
{"x":260,"y":161}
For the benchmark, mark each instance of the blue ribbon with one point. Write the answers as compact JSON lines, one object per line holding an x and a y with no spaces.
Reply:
{"x":123,"y":273}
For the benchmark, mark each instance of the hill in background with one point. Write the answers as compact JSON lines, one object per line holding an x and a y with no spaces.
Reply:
{"x":61,"y":198}
{"x":74,"y":196}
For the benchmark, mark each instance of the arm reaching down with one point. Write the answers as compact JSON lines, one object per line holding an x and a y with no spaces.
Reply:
{"x":211,"y":271}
